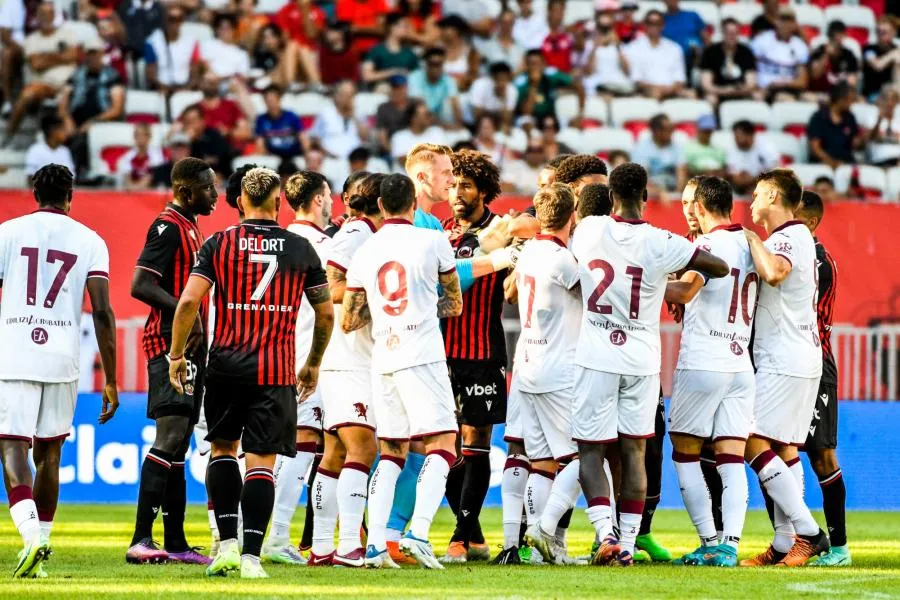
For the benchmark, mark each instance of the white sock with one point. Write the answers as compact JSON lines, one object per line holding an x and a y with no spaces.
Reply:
{"x":600,"y":516}
{"x":46,"y":526}
{"x":351,"y":499}
{"x":696,"y":496}
{"x":512,"y":491}
{"x":563,"y":496}
{"x":796,"y":468}
{"x":213,"y":525}
{"x":250,"y":558}
{"x":290,"y":477}
{"x":382,"y":486}
{"x":629,"y":525}
{"x":430,"y":489}
{"x":782,"y":487}
{"x":325,"y":512}
{"x":734,"y":497}
{"x":536,"y":494}
{"x":24,"y":516}
{"x":393,"y":535}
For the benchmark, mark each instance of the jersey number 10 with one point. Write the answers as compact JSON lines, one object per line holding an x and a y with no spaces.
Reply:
{"x":53,"y":256}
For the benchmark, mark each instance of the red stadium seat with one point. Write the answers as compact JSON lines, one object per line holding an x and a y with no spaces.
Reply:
{"x":756,"y":112}
{"x":792,"y":117}
{"x":684,"y":113}
{"x":112,"y":154}
{"x":860,"y":21}
{"x":811,"y":20}
{"x":633,"y":113}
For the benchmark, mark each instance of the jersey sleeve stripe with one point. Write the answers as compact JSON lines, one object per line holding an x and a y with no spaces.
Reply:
{"x":98,"y":274}
{"x":785,"y":257}
{"x":195,"y":274}
{"x":355,"y":289}
{"x":448,"y":271}
{"x":154,"y":271}
{"x":337,"y":266}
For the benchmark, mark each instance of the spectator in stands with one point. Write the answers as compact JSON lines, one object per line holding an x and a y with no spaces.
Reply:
{"x":179,"y":148}
{"x":462,"y":60}
{"x":728,"y":68}
{"x":685,"y":28}
{"x":51,"y":58}
{"x":485,"y":141}
{"x":884,"y":137}
{"x":657,"y":65}
{"x":94,"y":94}
{"x":423,"y":16}
{"x":392,"y":116}
{"x":338,"y":59}
{"x":530,"y":28}
{"x":421,"y":130}
{"x":223,"y":114}
{"x":278,"y":131}
{"x":768,"y":20}
{"x":781,"y":58}
{"x":607,"y":69}
{"x":824,"y":187}
{"x":582,"y":47}
{"x":502,"y":47}
{"x":250,"y":22}
{"x":833,"y":132}
{"x":206,"y":143}
{"x":359,"y":159}
{"x":880,"y":59}
{"x":336,"y":130}
{"x":494,"y":95}
{"x":140,"y":18}
{"x":113,"y":35}
{"x":539,"y":86}
{"x":51,"y":149}
{"x":302,"y":21}
{"x":168,"y":54}
{"x":751,"y":155}
{"x":392,"y":56}
{"x":521,"y":176}
{"x":136,"y":166}
{"x":627,"y":28}
{"x":16,"y":21}
{"x":366,"y":19}
{"x":616,"y":158}
{"x":662,"y":156}
{"x":221,"y":55}
{"x":437,"y":88}
{"x":557,"y":46}
{"x":549,"y":130}
{"x":701,"y":157}
{"x":271,"y":56}
{"x":832,"y":62}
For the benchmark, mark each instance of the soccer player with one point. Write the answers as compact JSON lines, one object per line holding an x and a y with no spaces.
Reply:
{"x":162,"y":271}
{"x":624,"y":265}
{"x":398,"y":293}
{"x":261,"y":273}
{"x":47,"y":259}
{"x":714,"y":385}
{"x":787,"y":355}
{"x":547,"y":278}
{"x":349,"y":190}
{"x":347,"y":390}
{"x":309,"y":196}
{"x":822,"y":438}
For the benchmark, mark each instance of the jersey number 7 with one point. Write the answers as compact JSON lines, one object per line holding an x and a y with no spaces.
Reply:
{"x":53,"y":256}
{"x":271,"y":262}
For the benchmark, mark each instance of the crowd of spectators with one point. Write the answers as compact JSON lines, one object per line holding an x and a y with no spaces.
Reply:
{"x":448,"y":72}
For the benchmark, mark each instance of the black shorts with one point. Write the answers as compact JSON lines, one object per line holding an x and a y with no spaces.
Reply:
{"x":164,"y":401}
{"x":263,"y":418}
{"x":823,"y":429}
{"x":480,"y":391}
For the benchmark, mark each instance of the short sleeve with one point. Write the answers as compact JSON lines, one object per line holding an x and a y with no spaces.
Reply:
{"x":708,"y":58}
{"x":801,"y":51}
{"x":315,"y":273}
{"x":781,"y":245}
{"x":566,"y":273}
{"x":677,"y":251}
{"x":354,"y":279}
{"x":163,"y":241}
{"x":444,"y":253}
{"x":678,"y":74}
{"x":342,"y":249}
{"x":99,"y":266}
{"x":205,"y":260}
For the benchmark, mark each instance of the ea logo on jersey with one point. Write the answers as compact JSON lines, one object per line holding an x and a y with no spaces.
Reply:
{"x":618,"y":338}
{"x":736,"y":349}
{"x":39,"y":336}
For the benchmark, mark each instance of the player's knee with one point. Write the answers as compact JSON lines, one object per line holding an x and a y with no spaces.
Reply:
{"x":363,"y":454}
{"x":824,"y":462}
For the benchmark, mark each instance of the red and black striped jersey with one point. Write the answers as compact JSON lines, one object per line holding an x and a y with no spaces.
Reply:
{"x":477,"y":334}
{"x":170,"y":253}
{"x":260,"y":271}
{"x":827,"y":270}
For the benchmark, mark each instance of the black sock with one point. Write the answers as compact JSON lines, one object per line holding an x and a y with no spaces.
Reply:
{"x":455,"y":478}
{"x":566,"y":519}
{"x":714,"y":484}
{"x":653,"y":465}
{"x":306,"y":537}
{"x":476,"y":481}
{"x":257,"y":500}
{"x":834,"y":497}
{"x":154,"y":476}
{"x":173,"y":507}
{"x":223,"y":482}
{"x":650,"y":504}
{"x":523,"y":527}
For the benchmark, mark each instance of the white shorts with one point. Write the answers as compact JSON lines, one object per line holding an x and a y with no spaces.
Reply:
{"x":34,"y":410}
{"x":309,"y":412}
{"x":710,"y":404}
{"x":608,"y":405}
{"x":513,"y":431}
{"x":347,"y":399}
{"x":784,"y":407}
{"x":546,"y":422}
{"x":414,"y":403}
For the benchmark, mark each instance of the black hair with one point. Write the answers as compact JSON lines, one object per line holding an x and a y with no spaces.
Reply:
{"x":652,"y":12}
{"x":455,"y":22}
{"x":811,"y":203}
{"x":840,"y":91}
{"x":221,"y":18}
{"x":50,"y":122}
{"x":365,"y":201}
{"x":618,"y":152}
{"x":744,"y":126}
{"x":836,"y":26}
{"x":426,"y":7}
{"x":463,"y":145}
{"x":273,"y":87}
{"x":478,"y":167}
{"x":554,"y":163}
{"x":414,"y":105}
{"x":594,"y":201}
{"x":716,"y":195}
{"x":53,"y":185}
{"x":788,"y":184}
{"x":392,"y":19}
{"x":628,"y":183}
{"x":498,"y":68}
{"x":233,"y":187}
{"x":434,"y":51}
{"x":824,"y":179}
{"x":656,"y":121}
{"x":577,"y":166}
{"x":534,"y":52}
{"x":302,"y":187}
{"x":730,"y":21}
{"x":352,"y":178}
{"x":359,"y":154}
{"x":397,"y":194}
{"x":187,"y":170}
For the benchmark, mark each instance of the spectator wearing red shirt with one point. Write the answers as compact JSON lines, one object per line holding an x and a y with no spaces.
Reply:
{"x":303,"y":22}
{"x":338,"y":60}
{"x":557,"y":46}
{"x":423,"y":15}
{"x":627,"y":29}
{"x":366,"y":18}
{"x":222,"y":114}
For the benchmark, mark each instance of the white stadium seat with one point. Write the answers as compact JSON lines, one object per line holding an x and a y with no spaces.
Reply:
{"x":578,"y":11}
{"x":269,"y":7}
{"x":607,"y":139}
{"x":810,"y":18}
{"x":572,"y":137}
{"x":13,"y":179}
{"x":81,"y":30}
{"x":788,"y":146}
{"x":459,"y":135}
{"x":376,"y":165}
{"x":756,"y":112}
{"x":708,"y":11}
{"x":596,"y":112}
{"x":860,"y":21}
{"x":335,"y":171}
{"x":181,"y":100}
{"x":261,"y":160}
{"x":742,"y":12}
{"x":198,"y":31}
{"x":142,"y":106}
{"x":808,"y":173}
{"x":305,"y":104}
{"x":106,"y":141}
{"x":866,"y":114}
{"x":893,"y":185}
{"x":258,"y":102}
{"x":872,"y":180}
{"x":516,"y":141}
{"x":566,"y":108}
{"x":792,"y":117}
{"x":365,"y":105}
{"x":633,"y":113}
{"x":684,"y":113}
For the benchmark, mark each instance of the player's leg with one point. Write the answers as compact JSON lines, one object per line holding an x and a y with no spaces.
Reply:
{"x":324,"y":500}
{"x":713,"y":481}
{"x":204,"y":448}
{"x":405,"y":498}
{"x":351,"y":493}
{"x":46,"y":454}
{"x":646,"y":542}
{"x":474,"y":473}
{"x":514,"y":481}
{"x":307,"y":533}
{"x":257,"y":501}
{"x":543,"y":473}
{"x":694,"y":493}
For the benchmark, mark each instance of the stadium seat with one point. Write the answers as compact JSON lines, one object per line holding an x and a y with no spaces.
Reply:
{"x":82,"y":31}
{"x":808,"y":173}
{"x":566,"y":108}
{"x":811,"y":20}
{"x":377,"y":165}
{"x":10,"y":157}
{"x":107,"y":142}
{"x":743,"y":13}
{"x":572,"y":137}
{"x":892,"y":194}
{"x":606,"y":139}
{"x":307,"y":106}
{"x":158,"y":133}
{"x":578,"y":11}
{"x":258,"y":102}
{"x":459,"y":135}
{"x":860,"y":21}
{"x":791,"y":148}
{"x":633,"y":113}
{"x":866,"y":114}
{"x":756,"y":112}
{"x":723,"y":138}
{"x":684,"y":113}
{"x":262,"y":160}
{"x":792,"y":117}
{"x":335,"y":171}
{"x":143,"y":106}
{"x":13,"y":179}
{"x":198,"y":31}
{"x":678,"y":137}
{"x":269,"y":7}
{"x":872,"y":181}
{"x":708,"y":11}
{"x":596,"y":113}
{"x":516,"y":140}
{"x":365,"y":106}
{"x":181,"y":100}
{"x":494,"y":7}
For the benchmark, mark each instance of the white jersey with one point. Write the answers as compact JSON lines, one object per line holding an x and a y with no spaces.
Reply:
{"x":348,"y":351}
{"x":46,"y":259}
{"x":624,"y":267}
{"x":398,"y":268}
{"x":549,"y":315}
{"x":787,"y":334}
{"x":719,"y":320}
{"x":306,"y":316}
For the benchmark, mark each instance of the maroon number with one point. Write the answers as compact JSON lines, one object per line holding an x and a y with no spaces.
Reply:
{"x":68,"y":261}
{"x":529,"y":281}
{"x":745,"y":297}
{"x":397,"y":299}
{"x":31,"y":255}
{"x":608,"y":275}
{"x":637,"y":275}
{"x":732,"y":308}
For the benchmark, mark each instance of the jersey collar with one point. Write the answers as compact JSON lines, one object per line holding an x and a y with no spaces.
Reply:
{"x":619,"y":219}
{"x":729,"y":227}
{"x":551,"y":238}
{"x":51,"y":209}
{"x":397,"y":221}
{"x":260,"y":222}
{"x":368,"y":222}
{"x":181,"y":212}
{"x":308,"y":224}
{"x":787,"y":224}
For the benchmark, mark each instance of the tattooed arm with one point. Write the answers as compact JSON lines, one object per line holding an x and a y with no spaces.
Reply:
{"x":337,"y":283}
{"x":356,"y":311}
{"x":308,"y":377}
{"x":450,"y":304}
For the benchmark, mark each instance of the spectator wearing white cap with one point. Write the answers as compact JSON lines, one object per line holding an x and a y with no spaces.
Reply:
{"x":701,"y":157}
{"x":657,"y":64}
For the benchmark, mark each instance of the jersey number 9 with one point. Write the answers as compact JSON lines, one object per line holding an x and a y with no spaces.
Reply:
{"x":392,"y":286}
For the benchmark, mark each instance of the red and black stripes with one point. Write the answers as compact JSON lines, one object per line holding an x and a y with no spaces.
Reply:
{"x":825,"y":310}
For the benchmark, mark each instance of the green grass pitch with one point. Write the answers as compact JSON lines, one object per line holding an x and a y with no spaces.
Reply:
{"x":90,"y":543}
